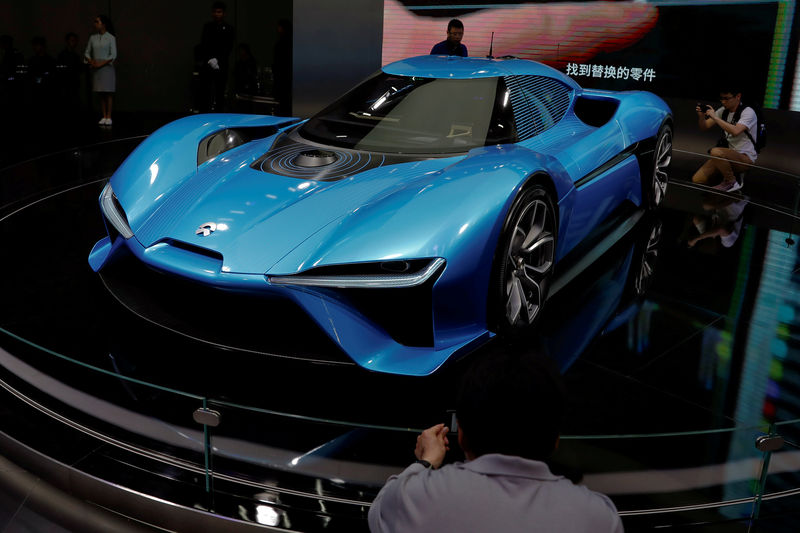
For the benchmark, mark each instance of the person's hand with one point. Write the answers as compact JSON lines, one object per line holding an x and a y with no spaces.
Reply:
{"x":432,"y":444}
{"x":213,"y":63}
{"x":703,"y":111}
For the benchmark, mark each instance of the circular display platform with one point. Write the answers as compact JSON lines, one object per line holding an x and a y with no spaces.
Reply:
{"x":676,"y":344}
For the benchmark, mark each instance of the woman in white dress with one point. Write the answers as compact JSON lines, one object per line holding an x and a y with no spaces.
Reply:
{"x":101,"y":51}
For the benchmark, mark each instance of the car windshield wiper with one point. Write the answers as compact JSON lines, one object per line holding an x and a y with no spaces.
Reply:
{"x":390,"y":94}
{"x":368,"y":116}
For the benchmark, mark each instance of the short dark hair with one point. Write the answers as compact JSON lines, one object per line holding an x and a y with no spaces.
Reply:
{"x":732,"y":88}
{"x":512,"y":401}
{"x":455,"y":23}
{"x":219,"y":5}
{"x":107,"y":23}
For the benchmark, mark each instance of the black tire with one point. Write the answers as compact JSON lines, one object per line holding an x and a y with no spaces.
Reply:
{"x":654,"y":185}
{"x":523,"y":263}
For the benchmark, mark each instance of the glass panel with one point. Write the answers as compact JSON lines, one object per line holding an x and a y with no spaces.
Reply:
{"x":288,"y":468}
{"x":782,"y":485}
{"x":101,"y":421}
{"x":763,"y":187}
{"x":309,"y":446}
{"x":674,"y":478}
{"x":25,"y":182}
{"x":63,"y":365}
{"x":389,"y":113}
{"x":771,"y":376}
{"x":294,"y":465}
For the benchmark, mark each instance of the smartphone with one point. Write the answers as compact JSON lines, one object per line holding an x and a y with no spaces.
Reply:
{"x":451,"y":413}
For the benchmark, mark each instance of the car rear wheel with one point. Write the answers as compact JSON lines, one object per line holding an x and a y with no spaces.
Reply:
{"x":662,"y":156}
{"x":524,"y":261}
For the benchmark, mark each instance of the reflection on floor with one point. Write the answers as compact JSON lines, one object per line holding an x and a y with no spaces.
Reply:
{"x":679,"y":347}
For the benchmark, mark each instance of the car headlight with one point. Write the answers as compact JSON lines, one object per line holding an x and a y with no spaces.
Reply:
{"x":113,"y":212}
{"x":378,"y":275}
{"x":217,"y":143}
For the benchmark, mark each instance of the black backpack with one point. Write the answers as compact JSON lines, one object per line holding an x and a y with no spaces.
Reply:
{"x":761,"y":126}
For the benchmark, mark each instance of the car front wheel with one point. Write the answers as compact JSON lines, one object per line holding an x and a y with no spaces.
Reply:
{"x":524,"y":260}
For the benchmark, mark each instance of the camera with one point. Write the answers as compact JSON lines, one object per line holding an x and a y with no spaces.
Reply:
{"x":703,"y":107}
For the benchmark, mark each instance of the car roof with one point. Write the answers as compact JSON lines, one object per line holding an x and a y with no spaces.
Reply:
{"x":456,"y":67}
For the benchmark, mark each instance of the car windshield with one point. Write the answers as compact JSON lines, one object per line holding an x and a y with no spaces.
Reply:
{"x":401,"y":114}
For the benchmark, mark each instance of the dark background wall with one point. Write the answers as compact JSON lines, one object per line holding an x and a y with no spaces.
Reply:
{"x":337,"y":43}
{"x":155,"y":39}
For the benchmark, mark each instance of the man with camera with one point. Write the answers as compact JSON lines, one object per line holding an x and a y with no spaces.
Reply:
{"x":736,"y":149}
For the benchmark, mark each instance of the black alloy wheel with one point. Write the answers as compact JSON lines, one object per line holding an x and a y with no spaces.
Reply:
{"x":524,"y":261}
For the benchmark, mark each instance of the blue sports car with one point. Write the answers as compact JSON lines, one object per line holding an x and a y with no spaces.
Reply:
{"x":421,"y":214}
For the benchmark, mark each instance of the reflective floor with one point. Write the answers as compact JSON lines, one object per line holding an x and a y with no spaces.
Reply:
{"x":679,"y":346}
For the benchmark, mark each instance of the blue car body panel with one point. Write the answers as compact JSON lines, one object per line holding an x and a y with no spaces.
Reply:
{"x":168,"y":158}
{"x":453,"y":207}
{"x":454,"y":67}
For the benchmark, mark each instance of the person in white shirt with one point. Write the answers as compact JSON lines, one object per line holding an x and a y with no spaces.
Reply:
{"x":101,"y":51}
{"x":509,"y":415}
{"x":736,"y":150}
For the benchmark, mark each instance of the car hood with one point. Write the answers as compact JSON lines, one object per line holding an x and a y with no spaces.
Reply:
{"x":258,"y":217}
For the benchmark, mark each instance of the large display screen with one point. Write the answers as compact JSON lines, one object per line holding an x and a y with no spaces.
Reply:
{"x":682,"y":48}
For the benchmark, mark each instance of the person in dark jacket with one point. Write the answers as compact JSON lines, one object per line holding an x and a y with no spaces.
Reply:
{"x":452,"y":45}
{"x":216,"y":45}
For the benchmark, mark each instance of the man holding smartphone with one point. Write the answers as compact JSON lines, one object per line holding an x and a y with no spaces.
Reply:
{"x":736,"y":150}
{"x":509,"y":412}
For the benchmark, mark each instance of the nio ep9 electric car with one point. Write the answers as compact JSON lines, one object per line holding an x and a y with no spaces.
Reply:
{"x":413,"y":219}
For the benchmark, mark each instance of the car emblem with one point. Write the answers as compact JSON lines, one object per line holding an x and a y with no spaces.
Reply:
{"x":206,"y":229}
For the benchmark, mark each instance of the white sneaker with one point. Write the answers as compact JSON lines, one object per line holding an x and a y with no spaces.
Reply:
{"x":728,"y":186}
{"x":102,"y":122}
{"x":108,"y":122}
